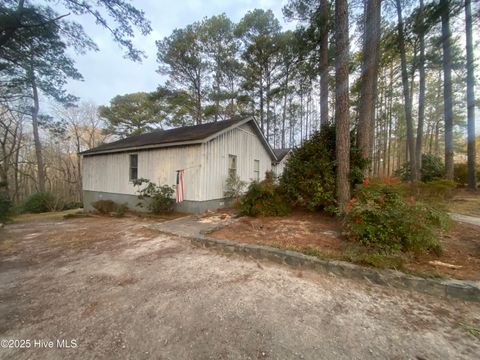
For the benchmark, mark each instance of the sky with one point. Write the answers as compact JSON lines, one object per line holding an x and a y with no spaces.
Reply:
{"x":107,"y":74}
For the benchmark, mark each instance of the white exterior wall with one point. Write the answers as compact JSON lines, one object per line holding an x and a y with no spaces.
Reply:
{"x":206,"y":165}
{"x":278,"y":168}
{"x":240,"y":141}
{"x":110,"y":172}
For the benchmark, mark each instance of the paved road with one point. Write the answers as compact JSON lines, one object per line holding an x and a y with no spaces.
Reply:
{"x":124,"y":292}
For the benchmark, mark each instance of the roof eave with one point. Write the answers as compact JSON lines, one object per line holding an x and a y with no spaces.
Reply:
{"x":240,"y":123}
{"x":142,"y":147}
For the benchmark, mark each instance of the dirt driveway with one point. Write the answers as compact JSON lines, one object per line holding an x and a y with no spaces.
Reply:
{"x":121,"y":291}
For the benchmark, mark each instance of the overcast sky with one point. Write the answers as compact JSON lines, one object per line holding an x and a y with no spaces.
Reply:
{"x":106,"y":73}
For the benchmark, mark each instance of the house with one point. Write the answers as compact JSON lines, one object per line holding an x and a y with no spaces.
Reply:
{"x":282,"y":156}
{"x":206,"y":153}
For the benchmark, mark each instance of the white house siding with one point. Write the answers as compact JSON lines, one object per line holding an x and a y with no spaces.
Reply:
{"x":110,"y":172}
{"x":243,"y":143}
{"x":278,"y":168}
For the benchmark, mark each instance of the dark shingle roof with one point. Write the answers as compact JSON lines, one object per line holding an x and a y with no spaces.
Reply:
{"x":160,"y":137}
{"x":280,"y":153}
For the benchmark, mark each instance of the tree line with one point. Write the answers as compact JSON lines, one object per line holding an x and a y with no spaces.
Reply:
{"x":39,"y":147}
{"x":395,"y":76}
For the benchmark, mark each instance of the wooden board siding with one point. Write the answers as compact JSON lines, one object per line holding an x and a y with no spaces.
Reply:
{"x":110,"y":172}
{"x":243,"y":143}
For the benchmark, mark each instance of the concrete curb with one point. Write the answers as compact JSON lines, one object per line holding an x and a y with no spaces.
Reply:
{"x":446,"y":288}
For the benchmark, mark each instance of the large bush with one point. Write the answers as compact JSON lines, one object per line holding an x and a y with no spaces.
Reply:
{"x":461,"y":173}
{"x":380,"y":218}
{"x":234,"y":187}
{"x":110,"y":207}
{"x":40,"y":202}
{"x":160,"y":197}
{"x":5,"y":206}
{"x":433,"y":192}
{"x":308,"y":179}
{"x":432,"y":169}
{"x":104,"y":206}
{"x":264,"y":198}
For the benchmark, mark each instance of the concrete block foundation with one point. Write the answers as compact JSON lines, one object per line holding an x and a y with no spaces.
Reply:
{"x":133,"y":202}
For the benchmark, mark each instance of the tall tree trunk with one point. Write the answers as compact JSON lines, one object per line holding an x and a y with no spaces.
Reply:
{"x":406,"y":89}
{"x":79,"y":162}
{"x":447,"y":88}
{"x":324,"y":62}
{"x":36,"y":135}
{"x":472,"y":177}
{"x":368,"y":87}
{"x":284,"y":114}
{"x":268,"y":106}
{"x":217,"y":96}
{"x":198,"y":103}
{"x":342,"y":123}
{"x":301,"y":113}
{"x":421,"y":97}
{"x":262,"y":121}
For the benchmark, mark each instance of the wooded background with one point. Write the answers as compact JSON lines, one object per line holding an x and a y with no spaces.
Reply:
{"x":395,"y":76}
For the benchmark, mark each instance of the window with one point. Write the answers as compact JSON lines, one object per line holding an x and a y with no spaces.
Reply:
{"x":232,"y":165}
{"x":133,"y":167}
{"x":256,"y":170}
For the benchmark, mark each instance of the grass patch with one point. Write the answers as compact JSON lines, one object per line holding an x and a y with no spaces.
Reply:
{"x":471,"y":329}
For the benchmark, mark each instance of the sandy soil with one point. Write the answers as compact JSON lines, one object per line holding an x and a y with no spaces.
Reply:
{"x":466,"y":203}
{"x":122,"y":291}
{"x":306,"y":231}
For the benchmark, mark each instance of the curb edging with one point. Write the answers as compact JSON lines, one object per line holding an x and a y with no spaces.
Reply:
{"x":466,"y":290}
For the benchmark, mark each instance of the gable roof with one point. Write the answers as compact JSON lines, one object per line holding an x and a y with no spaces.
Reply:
{"x":187,"y":135}
{"x":281,"y":153}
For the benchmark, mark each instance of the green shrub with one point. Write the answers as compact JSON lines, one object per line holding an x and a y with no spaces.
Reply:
{"x":263,"y":198}
{"x":72,"y":205}
{"x":308,"y":179}
{"x":436,"y":191}
{"x":234,"y":187}
{"x":432,"y":169}
{"x":104,"y":207}
{"x":120,"y":210}
{"x":5,"y":206}
{"x":461,"y":173}
{"x":380,"y":218}
{"x":40,"y":202}
{"x":75,"y":215}
{"x":109,"y":207}
{"x":160,"y":197}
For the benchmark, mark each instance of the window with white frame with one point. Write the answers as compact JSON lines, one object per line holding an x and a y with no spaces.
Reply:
{"x":232,"y":165}
{"x":256,"y":170}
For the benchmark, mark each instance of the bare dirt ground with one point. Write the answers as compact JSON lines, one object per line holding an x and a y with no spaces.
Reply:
{"x":466,"y":202}
{"x":122,"y":291}
{"x":305,"y":231}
